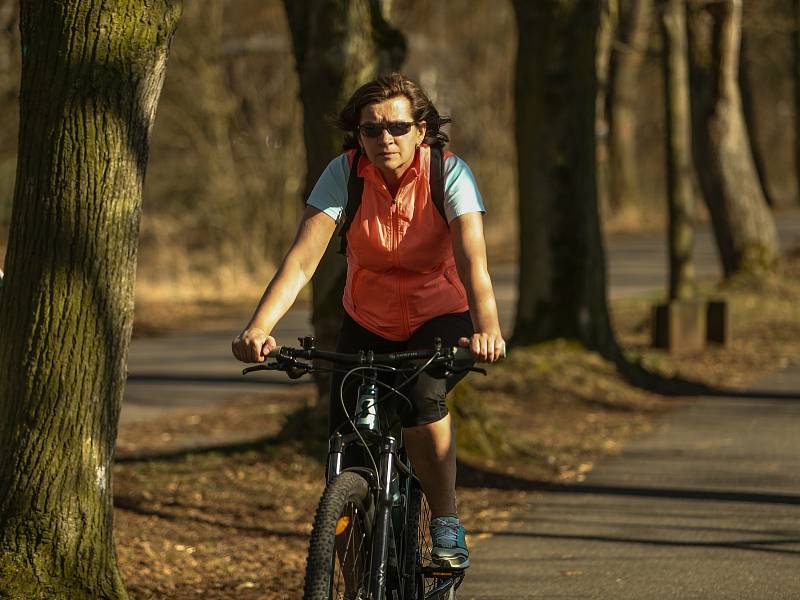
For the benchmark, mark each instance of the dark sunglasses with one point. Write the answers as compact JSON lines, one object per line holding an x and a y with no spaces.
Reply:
{"x":395,"y":128}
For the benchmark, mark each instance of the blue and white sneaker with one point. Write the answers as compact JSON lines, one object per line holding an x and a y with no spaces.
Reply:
{"x":449,"y":546}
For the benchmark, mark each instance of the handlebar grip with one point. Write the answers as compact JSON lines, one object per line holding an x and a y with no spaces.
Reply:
{"x":275,"y":353}
{"x":462,"y":354}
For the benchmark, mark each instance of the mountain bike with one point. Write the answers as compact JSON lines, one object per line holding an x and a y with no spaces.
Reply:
{"x":370,"y":539}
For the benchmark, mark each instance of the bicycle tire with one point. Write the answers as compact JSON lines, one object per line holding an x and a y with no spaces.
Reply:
{"x":329,"y":569}
{"x":412,"y":559}
{"x":420,"y":586}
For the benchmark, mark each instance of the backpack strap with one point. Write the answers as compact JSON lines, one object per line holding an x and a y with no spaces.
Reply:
{"x":436,"y":178}
{"x":355,"y":188}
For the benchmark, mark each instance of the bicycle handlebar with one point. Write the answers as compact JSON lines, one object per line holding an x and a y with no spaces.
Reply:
{"x":452,"y":357}
{"x":369,"y":358}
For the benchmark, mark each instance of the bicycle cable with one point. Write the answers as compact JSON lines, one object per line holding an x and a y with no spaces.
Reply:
{"x":395,"y":390}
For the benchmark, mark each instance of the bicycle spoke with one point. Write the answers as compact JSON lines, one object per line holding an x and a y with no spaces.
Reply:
{"x":349,"y":562}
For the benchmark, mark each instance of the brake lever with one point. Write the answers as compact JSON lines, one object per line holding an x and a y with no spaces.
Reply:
{"x":468,"y":369}
{"x":262,"y":367}
{"x":296,"y":370}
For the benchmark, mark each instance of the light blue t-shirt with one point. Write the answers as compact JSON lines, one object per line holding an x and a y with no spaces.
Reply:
{"x":461,"y":193}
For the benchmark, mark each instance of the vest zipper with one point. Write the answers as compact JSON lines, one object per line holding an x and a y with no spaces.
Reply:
{"x":400,"y":277}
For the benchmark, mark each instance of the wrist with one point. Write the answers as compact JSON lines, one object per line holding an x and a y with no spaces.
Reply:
{"x":256,"y":327}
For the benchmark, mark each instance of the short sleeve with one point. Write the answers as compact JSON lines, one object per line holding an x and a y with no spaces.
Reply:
{"x":330,"y":192}
{"x":461,"y":193}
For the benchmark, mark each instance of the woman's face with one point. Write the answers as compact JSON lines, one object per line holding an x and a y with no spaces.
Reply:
{"x":391,"y":153}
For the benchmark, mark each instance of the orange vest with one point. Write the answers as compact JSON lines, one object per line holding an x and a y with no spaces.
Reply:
{"x":401,"y":271}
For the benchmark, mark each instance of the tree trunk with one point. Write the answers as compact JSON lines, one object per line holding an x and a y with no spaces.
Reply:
{"x":606,"y":32}
{"x":679,"y":149}
{"x":91,"y":76}
{"x":743,"y":225}
{"x":796,"y":86}
{"x":634,"y":37}
{"x":562,"y":281}
{"x":751,"y":120}
{"x":338,"y":45}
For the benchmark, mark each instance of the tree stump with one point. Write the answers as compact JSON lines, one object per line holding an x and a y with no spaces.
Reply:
{"x":679,"y":327}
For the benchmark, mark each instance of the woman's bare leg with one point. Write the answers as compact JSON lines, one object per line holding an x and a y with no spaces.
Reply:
{"x":432,"y":449}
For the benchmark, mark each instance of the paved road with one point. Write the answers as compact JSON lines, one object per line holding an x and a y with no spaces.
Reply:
{"x":196,"y":369}
{"x":708,"y":507}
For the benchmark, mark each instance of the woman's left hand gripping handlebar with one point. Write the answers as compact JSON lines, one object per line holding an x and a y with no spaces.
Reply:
{"x":485,"y":346}
{"x":253,"y":345}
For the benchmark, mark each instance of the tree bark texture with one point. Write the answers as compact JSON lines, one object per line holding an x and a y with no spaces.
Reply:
{"x":744,"y":228}
{"x":562,"y":280}
{"x":338,"y":46}
{"x":606,"y":33}
{"x":796,"y":89}
{"x":679,"y":149}
{"x":628,"y":56}
{"x":749,"y":112}
{"x":92,"y":72}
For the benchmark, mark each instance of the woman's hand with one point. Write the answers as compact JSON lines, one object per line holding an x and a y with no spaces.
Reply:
{"x":253,"y":345}
{"x":486,"y":347}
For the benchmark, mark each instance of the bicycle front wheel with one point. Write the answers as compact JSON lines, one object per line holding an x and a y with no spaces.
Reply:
{"x":339,"y":550}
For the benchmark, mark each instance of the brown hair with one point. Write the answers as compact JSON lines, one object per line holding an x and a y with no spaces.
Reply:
{"x":385,"y":88}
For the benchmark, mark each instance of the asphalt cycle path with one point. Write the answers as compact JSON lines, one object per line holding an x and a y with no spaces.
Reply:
{"x":706,"y":507}
{"x":196,"y":369}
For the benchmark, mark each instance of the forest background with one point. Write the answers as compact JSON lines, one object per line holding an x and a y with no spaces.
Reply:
{"x":227,"y":173}
{"x":227,"y":162}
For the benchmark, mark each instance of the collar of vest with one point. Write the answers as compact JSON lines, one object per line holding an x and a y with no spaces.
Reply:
{"x":367,"y":169}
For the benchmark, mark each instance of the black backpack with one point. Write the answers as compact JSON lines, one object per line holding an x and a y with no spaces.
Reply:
{"x":355,"y":187}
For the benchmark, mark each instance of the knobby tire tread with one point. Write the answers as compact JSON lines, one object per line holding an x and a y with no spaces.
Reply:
{"x":411,"y":559}
{"x":347,"y":487}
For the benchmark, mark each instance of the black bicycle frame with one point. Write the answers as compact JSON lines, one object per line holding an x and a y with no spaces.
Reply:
{"x":388,"y":466}
{"x":387,"y":446}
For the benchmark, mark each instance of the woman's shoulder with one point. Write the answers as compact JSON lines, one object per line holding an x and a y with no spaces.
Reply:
{"x":330,"y":192}
{"x":338,"y":169}
{"x":456,"y":168}
{"x":461,"y":188}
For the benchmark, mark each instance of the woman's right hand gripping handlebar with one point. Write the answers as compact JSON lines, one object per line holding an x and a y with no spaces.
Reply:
{"x":253,"y":345}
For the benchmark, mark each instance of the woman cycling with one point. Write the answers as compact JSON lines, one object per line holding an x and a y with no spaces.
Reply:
{"x":405,"y":268}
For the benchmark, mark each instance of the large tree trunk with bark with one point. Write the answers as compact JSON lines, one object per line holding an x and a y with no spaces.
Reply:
{"x":636,"y":17}
{"x":743,"y":225}
{"x":796,"y":89}
{"x":749,"y":111}
{"x":606,"y":32}
{"x":679,"y":149}
{"x":562,"y":281}
{"x":91,"y":76}
{"x":338,"y":46}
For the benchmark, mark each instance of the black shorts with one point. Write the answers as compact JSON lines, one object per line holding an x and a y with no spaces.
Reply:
{"x":426,"y":393}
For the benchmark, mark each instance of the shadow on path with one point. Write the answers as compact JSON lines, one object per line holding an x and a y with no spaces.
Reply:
{"x":638,"y":376}
{"x":304,"y":428}
{"x":131,"y":505}
{"x":198,"y":378}
{"x":755,"y":545}
{"x":470,"y":476}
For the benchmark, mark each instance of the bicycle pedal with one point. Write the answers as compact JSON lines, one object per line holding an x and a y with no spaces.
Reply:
{"x":443,"y":572}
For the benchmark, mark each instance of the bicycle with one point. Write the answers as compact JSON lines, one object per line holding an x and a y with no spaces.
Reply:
{"x":370,"y":538}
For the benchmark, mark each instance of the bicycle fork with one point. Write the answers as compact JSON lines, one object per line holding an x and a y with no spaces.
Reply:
{"x":383,"y":508}
{"x":380,"y":540}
